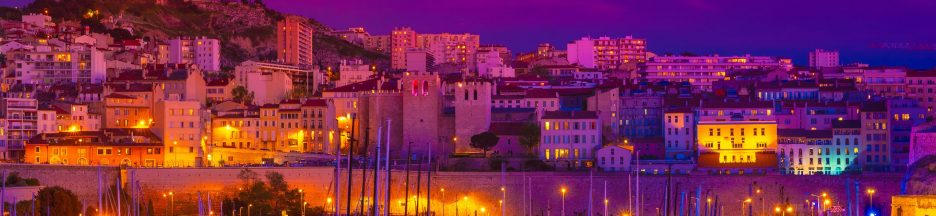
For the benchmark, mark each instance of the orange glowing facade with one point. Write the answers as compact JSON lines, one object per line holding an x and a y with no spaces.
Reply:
{"x":124,"y":147}
{"x":739,"y":146}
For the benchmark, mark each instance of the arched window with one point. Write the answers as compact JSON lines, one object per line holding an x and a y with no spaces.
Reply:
{"x":466,"y":94}
{"x":425,"y":87}
{"x":476,"y":94}
{"x":415,"y":87}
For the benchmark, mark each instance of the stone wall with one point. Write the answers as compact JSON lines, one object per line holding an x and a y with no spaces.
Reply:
{"x":482,"y":189}
{"x":82,"y":180}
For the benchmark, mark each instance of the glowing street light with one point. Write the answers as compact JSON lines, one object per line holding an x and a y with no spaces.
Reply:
{"x":563,"y":190}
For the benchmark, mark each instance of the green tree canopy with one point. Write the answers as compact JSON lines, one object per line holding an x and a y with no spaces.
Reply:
{"x":52,"y":201}
{"x":530,"y":136}
{"x":484,"y":141}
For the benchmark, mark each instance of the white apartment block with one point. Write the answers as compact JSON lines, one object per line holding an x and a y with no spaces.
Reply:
{"x":607,"y":53}
{"x":272,"y":82}
{"x":352,"y":72}
{"x":201,"y":51}
{"x":701,"y":71}
{"x":47,"y":65}
{"x":820,"y":58}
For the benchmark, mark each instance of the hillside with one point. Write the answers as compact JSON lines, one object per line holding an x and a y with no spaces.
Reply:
{"x":246,"y":30}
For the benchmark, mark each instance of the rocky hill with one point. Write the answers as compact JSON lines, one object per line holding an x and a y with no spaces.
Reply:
{"x":246,"y":28}
{"x":921,"y":177}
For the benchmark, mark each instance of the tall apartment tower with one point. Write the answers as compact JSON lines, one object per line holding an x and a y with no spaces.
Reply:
{"x":401,"y":40}
{"x":472,"y":112}
{"x":294,"y":41}
{"x":823,"y":58}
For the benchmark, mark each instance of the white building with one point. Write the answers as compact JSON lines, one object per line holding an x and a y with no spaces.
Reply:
{"x":607,"y":53}
{"x":202,"y":51}
{"x":701,"y":71}
{"x":352,"y":72}
{"x":820,"y":58}
{"x":569,"y":137}
{"x":271,"y":82}
{"x":47,"y":65}
{"x":679,"y":134}
{"x":21,"y":116}
{"x":39,"y":20}
{"x":491,"y":64}
{"x":614,"y":158}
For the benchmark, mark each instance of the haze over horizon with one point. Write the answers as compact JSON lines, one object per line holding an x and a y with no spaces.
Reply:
{"x":730,"y":27}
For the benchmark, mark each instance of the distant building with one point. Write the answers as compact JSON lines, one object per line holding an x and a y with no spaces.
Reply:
{"x":272,"y":82}
{"x":701,"y":71}
{"x":49,"y":64}
{"x":614,"y":158}
{"x":680,"y":134}
{"x":179,"y":125}
{"x":606,"y":53}
{"x":491,"y":64}
{"x":21,"y":115}
{"x":294,"y":41}
{"x":737,"y":146}
{"x":201,"y":51}
{"x":456,"y":49}
{"x":38,"y":20}
{"x":876,"y":154}
{"x":820,"y":58}
{"x":108,"y":147}
{"x":353,"y":71}
{"x":569,"y":138}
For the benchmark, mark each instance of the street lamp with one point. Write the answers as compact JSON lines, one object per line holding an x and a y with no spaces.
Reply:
{"x":171,"y":197}
{"x":302,"y":199}
{"x":248,"y":209}
{"x":871,"y":192}
{"x":443,"y":200}
{"x":503,"y":197}
{"x":748,"y":200}
{"x":563,"y":190}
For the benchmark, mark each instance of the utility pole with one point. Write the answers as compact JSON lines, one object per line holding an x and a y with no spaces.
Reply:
{"x":409,"y":153}
{"x":351,"y":142}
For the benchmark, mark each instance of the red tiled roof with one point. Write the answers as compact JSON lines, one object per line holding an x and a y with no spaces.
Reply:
{"x":315,"y":103}
{"x":570,"y":115}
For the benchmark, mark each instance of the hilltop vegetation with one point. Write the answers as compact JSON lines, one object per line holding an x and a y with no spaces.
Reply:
{"x":245,"y":28}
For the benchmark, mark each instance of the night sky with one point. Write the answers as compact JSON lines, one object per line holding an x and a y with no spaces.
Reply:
{"x":789,"y":28}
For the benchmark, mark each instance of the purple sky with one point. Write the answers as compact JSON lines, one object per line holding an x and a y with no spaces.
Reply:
{"x":728,"y":27}
{"x":786,"y":28}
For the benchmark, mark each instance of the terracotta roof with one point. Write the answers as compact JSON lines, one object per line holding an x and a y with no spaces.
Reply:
{"x":846,"y":124}
{"x":115,"y":95}
{"x":315,"y":103}
{"x":570,"y":115}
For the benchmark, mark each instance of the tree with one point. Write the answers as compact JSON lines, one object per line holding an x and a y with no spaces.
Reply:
{"x":530,"y":136}
{"x":241,"y":95}
{"x":14,"y":179}
{"x":272,"y":195}
{"x":484,"y":141}
{"x":298,"y":92}
{"x":52,"y":201}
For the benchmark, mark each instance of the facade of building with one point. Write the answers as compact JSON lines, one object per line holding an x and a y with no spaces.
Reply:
{"x":614,"y":158}
{"x":874,"y":127}
{"x":701,"y":71}
{"x":821,"y":58}
{"x":21,"y":115}
{"x":294,"y":41}
{"x":569,"y":138}
{"x":272,"y":82}
{"x":680,"y":134}
{"x":109,"y":147}
{"x":607,"y":53}
{"x":179,"y":124}
{"x":202,"y":51}
{"x":49,"y":64}
{"x":472,"y":112}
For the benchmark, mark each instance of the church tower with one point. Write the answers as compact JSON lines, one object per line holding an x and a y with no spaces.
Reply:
{"x":422,"y":107}
{"x":472,"y":112}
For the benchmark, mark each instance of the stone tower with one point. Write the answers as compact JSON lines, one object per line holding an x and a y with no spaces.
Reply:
{"x":422,"y":106}
{"x":472,"y":112}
